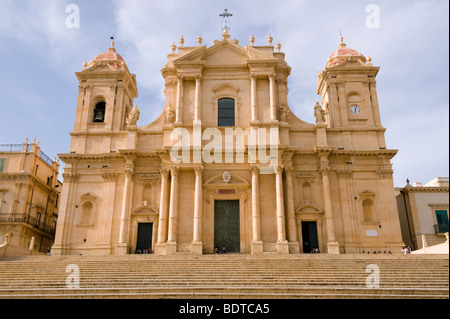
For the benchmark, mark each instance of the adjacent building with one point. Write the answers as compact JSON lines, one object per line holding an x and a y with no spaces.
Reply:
{"x":423,"y":212}
{"x":228,"y":162}
{"x":29,"y":196}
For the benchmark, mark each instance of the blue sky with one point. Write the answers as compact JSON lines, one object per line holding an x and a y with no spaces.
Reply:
{"x":39,"y":56}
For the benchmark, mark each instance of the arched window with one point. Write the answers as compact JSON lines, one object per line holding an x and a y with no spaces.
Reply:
{"x":368,"y":210}
{"x":226,"y":112}
{"x":99,"y":112}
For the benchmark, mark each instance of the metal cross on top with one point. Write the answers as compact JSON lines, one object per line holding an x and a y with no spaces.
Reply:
{"x":225,"y":19}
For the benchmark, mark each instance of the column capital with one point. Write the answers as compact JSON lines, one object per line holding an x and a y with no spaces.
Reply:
{"x":129,"y":172}
{"x":164,"y":173}
{"x":174,"y":170}
{"x":272,"y":76}
{"x":324,"y":170}
{"x":279,"y":170}
{"x":198,"y":77}
{"x":180,"y":78}
{"x":254,"y":169}
{"x":198,"y":170}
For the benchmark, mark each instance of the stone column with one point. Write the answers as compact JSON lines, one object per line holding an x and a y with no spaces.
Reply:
{"x":197,"y":245}
{"x":163,"y":205}
{"x":257,"y":244}
{"x":333,"y":246}
{"x":122,"y":246}
{"x":273,"y":107}
{"x":171,"y":244}
{"x":292,"y":227}
{"x":253,"y":96}
{"x":282,"y":244}
{"x":64,"y":225}
{"x":179,"y":107}
{"x":109,"y":194}
{"x":197,"y":105}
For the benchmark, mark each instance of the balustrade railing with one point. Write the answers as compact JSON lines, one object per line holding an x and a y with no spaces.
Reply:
{"x":32,"y":221}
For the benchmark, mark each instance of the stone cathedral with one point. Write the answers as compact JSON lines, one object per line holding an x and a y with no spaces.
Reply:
{"x":190,"y":181}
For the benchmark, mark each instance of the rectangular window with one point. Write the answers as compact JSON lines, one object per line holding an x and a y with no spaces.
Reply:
{"x":226,"y":112}
{"x":442,"y":220}
{"x":2,"y":165}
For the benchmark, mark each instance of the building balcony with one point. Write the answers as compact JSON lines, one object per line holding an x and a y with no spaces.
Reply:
{"x":29,"y":220}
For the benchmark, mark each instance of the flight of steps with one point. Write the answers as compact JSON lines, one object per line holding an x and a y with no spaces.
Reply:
{"x":228,"y":276}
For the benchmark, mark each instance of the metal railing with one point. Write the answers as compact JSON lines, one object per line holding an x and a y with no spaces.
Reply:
{"x":7,"y":148}
{"x":49,"y":229}
{"x":45,"y":158}
{"x":441,"y":228}
{"x":10,"y":148}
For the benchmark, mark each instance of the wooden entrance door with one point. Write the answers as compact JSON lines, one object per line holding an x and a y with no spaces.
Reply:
{"x":309,"y":236}
{"x":226,"y":225}
{"x":144,"y":236}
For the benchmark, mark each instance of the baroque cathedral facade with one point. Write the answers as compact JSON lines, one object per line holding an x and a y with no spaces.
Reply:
{"x":228,"y":163}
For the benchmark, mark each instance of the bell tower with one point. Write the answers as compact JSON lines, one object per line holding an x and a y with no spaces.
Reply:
{"x":349,"y":96}
{"x":105,"y":98}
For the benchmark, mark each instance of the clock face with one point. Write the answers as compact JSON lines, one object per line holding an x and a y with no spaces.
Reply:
{"x":354,"y":109}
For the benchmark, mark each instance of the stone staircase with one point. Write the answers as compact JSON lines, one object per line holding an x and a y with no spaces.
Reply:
{"x":229,"y":276}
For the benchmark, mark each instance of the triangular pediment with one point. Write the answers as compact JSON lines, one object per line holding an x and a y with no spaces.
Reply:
{"x":225,"y":52}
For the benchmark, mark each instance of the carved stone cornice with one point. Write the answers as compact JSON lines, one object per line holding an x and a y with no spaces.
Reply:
{"x":425,"y":189}
{"x":385,"y":173}
{"x":305,"y":176}
{"x":110,"y":177}
{"x":344,"y":173}
{"x":70,"y":177}
{"x":27,"y":178}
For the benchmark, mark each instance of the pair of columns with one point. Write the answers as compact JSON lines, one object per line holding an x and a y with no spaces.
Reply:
{"x":272,"y":98}
{"x":168,"y":215}
{"x":179,"y":100}
{"x":282,"y":242}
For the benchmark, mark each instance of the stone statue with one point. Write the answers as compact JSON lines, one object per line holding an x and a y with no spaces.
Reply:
{"x":319,"y":114}
{"x":284,"y":113}
{"x":170,"y":116}
{"x":133,"y":116}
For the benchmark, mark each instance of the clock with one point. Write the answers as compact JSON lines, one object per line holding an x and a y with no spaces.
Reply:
{"x":354,"y":109}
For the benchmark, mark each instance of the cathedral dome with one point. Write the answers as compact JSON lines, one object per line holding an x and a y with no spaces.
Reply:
{"x":342,"y":53}
{"x":111,"y":57}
